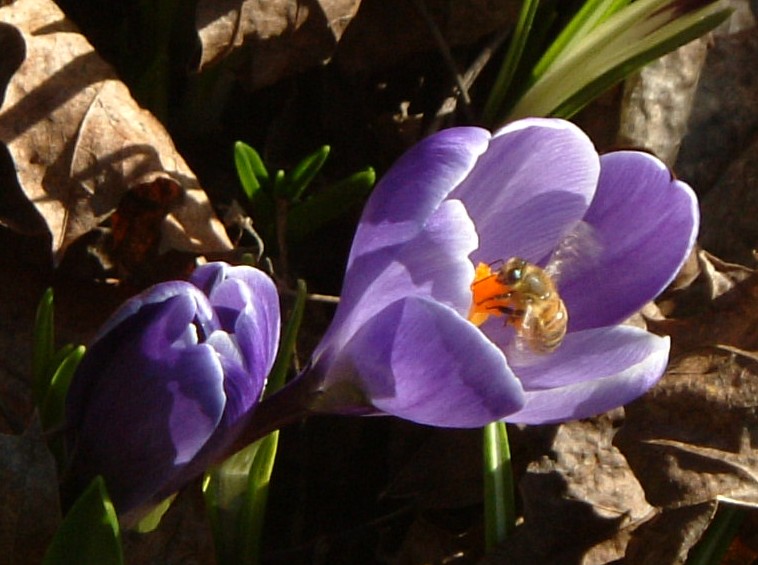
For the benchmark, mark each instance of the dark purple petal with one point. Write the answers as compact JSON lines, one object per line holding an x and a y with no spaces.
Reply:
{"x":535,"y":181}
{"x":598,"y":370}
{"x":158,"y":294}
{"x":142,"y":404}
{"x":421,"y":361}
{"x":415,"y":186}
{"x":645,"y":224}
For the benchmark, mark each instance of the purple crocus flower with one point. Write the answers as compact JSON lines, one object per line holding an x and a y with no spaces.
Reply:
{"x":169,"y":382}
{"x":402,"y":341}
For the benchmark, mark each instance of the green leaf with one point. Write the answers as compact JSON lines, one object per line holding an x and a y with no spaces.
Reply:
{"x":602,"y":83}
{"x":280,"y":185}
{"x":499,"y":496}
{"x":236,"y":493}
{"x":716,"y":541}
{"x":44,"y":345}
{"x":53,"y":407}
{"x":153,"y":519}
{"x":589,"y":15}
{"x":510,"y":62}
{"x":237,"y":490}
{"x":250,"y":169}
{"x":89,"y":533}
{"x":303,"y":174}
{"x":287,"y":343}
{"x":329,"y":204}
{"x":616,"y":46}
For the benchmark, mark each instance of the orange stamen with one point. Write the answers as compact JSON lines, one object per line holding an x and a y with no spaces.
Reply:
{"x":489,"y":295}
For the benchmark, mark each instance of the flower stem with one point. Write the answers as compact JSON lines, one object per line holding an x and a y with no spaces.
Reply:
{"x":499,"y":496}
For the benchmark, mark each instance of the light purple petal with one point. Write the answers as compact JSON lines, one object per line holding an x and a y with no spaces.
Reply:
{"x":434,"y":264}
{"x":599,"y":370}
{"x":248,"y":306}
{"x":645,"y":225}
{"x":531,"y":187}
{"x":415,"y":186}
{"x":421,"y":361}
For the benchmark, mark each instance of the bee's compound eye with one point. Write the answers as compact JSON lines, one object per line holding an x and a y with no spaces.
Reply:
{"x":514,"y":275}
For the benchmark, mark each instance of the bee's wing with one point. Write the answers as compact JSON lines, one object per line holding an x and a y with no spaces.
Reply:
{"x":577,"y":251}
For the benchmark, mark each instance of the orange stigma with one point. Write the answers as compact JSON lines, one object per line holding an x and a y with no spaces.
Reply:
{"x":489,"y":295}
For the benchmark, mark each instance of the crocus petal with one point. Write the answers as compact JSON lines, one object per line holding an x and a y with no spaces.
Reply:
{"x":644,"y":224}
{"x":419,"y":360}
{"x":250,"y":309}
{"x":434,"y":263}
{"x":159,"y":405}
{"x":598,"y":370}
{"x":158,"y":294}
{"x":529,"y":189}
{"x":415,"y":186}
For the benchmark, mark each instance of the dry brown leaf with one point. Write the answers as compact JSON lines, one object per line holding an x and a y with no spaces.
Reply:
{"x":691,"y":440}
{"x":29,"y":509}
{"x":79,"y":141}
{"x":280,"y":36}
{"x":581,"y":499}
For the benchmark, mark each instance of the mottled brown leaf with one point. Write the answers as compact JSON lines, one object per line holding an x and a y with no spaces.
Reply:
{"x":79,"y":141}
{"x":29,"y":508}
{"x":278,"y":37}
{"x":580,"y":497}
{"x":693,"y":439}
{"x":668,"y":537}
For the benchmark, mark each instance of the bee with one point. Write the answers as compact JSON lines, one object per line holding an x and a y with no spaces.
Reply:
{"x":527,"y":294}
{"x":528,"y":298}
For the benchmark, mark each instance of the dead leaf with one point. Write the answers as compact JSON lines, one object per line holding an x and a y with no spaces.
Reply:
{"x":279,"y":37}
{"x":79,"y":141}
{"x":692,"y":440}
{"x":578,"y":493}
{"x":668,"y":537}
{"x":29,"y":508}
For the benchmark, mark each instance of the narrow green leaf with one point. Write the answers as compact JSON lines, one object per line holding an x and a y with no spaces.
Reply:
{"x":287,"y":343}
{"x":44,"y":338}
{"x":153,"y":519}
{"x":615,"y":75}
{"x":713,"y":545}
{"x":510,"y":63}
{"x":499,"y":496}
{"x":630,"y":38}
{"x":303,"y":174}
{"x":250,"y":169}
{"x":280,"y":184}
{"x":253,"y":511}
{"x":329,"y":204}
{"x":53,"y":407}
{"x":236,"y":491}
{"x":588,"y":16}
{"x":89,"y":533}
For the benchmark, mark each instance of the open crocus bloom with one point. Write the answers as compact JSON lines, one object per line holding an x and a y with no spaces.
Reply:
{"x":402,"y":341}
{"x":169,"y":382}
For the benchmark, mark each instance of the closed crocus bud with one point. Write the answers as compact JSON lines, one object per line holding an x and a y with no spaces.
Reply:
{"x":169,"y":382}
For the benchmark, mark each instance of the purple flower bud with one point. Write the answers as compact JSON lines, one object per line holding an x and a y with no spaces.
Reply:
{"x":169,"y":382}
{"x":416,"y":336}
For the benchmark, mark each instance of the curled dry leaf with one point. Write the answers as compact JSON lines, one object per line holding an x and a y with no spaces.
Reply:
{"x":280,"y":36}
{"x":79,"y":141}
{"x":691,"y":440}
